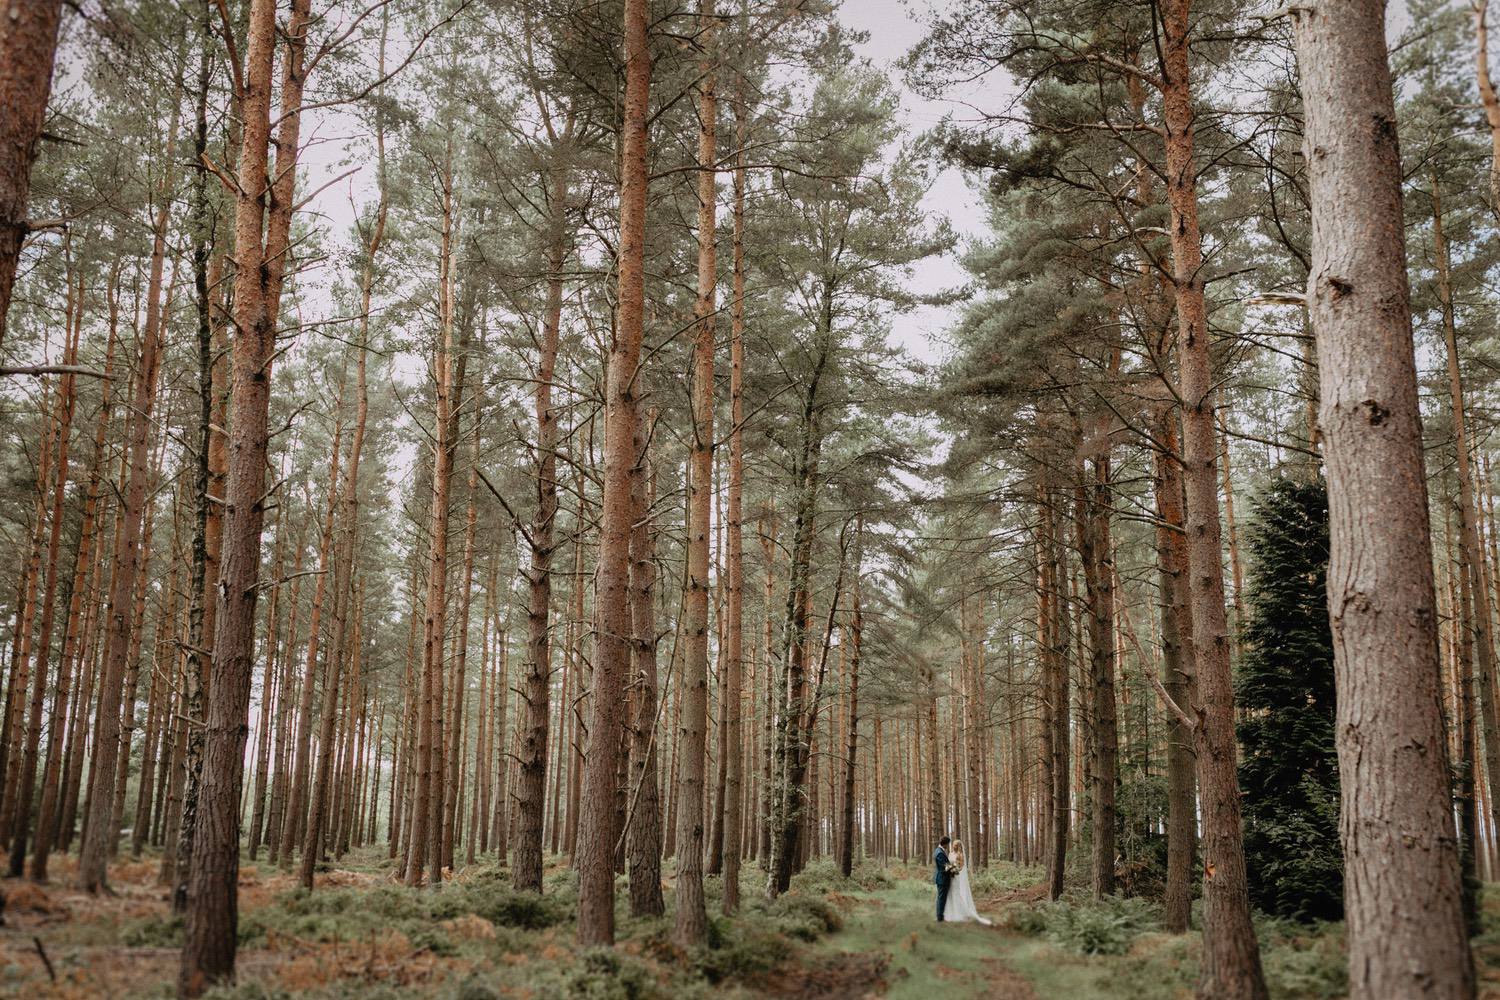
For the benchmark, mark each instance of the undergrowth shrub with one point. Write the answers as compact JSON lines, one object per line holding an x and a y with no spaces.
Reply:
{"x":1000,"y":879}
{"x":823,"y":876}
{"x":805,"y":918}
{"x":355,"y":913}
{"x":739,"y":949}
{"x":153,"y":932}
{"x":605,"y":974}
{"x":1303,"y":960}
{"x":1104,"y":927}
{"x":760,"y":937}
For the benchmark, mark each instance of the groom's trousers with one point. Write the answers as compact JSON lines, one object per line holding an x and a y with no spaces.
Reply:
{"x":942,"y":900}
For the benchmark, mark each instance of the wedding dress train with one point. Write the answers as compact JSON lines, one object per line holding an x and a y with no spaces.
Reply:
{"x":960,"y":906}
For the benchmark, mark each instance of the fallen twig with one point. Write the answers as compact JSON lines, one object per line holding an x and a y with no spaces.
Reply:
{"x":51,"y":972}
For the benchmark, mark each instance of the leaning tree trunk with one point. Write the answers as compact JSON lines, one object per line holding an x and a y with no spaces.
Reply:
{"x":1403,"y":893}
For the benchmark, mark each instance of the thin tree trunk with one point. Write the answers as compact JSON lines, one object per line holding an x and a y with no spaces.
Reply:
{"x":63,"y":423}
{"x":98,"y":836}
{"x":644,"y":847}
{"x":1177,"y":666}
{"x":691,"y":925}
{"x":851,"y":724}
{"x":734,"y":584}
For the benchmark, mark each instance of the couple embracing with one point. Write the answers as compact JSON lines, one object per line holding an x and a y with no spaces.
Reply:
{"x":955,"y":900}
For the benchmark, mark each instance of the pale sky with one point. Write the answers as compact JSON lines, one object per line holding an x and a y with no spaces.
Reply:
{"x":894,"y":26}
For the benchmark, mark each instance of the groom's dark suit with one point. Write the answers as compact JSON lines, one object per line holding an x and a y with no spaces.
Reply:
{"x":941,"y":878}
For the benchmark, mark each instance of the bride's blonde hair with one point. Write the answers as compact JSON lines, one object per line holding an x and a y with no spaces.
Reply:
{"x":958,"y":847}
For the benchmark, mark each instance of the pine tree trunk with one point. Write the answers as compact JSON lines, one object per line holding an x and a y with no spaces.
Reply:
{"x":98,"y":836}
{"x":1177,"y":666}
{"x":534,"y":711}
{"x":427,"y":829}
{"x":644,"y":846}
{"x":599,"y":823}
{"x":851,"y":722}
{"x":1098,"y":571}
{"x":1404,"y":906}
{"x":1231,"y":956}
{"x":261,"y":257}
{"x":212,"y":464}
{"x":1053,"y":631}
{"x":54,"y":771}
{"x":1488,"y":99}
{"x":734,"y":584}
{"x":63,"y":423}
{"x":692,"y":920}
{"x":27,"y":48}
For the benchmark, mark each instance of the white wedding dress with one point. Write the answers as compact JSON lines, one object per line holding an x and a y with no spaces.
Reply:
{"x":960,"y":906}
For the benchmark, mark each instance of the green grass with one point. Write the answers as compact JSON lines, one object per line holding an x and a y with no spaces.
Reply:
{"x":1075,"y":948}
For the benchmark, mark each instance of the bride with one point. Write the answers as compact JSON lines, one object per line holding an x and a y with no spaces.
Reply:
{"x":961,"y":898}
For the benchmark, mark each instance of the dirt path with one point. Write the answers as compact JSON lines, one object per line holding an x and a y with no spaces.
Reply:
{"x":924,"y":960}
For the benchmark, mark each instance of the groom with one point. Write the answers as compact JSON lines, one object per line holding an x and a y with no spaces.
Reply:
{"x":942,"y":875}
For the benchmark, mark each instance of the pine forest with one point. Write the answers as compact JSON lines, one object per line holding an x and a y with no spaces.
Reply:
{"x":631,"y":499}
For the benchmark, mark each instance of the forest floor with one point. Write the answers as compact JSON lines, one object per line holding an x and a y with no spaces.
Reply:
{"x":360,"y":935}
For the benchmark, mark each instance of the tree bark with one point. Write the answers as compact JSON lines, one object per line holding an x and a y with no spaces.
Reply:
{"x":98,"y":836}
{"x":27,"y":48}
{"x":644,"y":846}
{"x":1231,"y":955}
{"x":691,"y":925}
{"x":1403,"y":897}
{"x":262,"y":245}
{"x":734,"y":584}
{"x":599,"y":822}
{"x":63,"y":423}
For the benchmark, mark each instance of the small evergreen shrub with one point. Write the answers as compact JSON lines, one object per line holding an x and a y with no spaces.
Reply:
{"x":1284,"y":687}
